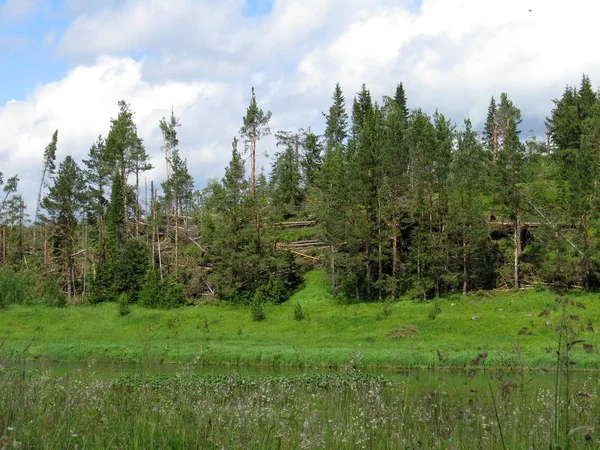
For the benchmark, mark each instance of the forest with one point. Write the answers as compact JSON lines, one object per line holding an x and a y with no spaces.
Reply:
{"x":390,"y":201}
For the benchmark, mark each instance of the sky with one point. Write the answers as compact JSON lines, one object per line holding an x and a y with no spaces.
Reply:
{"x":67,"y":63}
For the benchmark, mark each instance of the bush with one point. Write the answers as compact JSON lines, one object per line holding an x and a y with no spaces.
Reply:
{"x":50,"y":292}
{"x":298,"y":313}
{"x":152,"y":293}
{"x":15,"y":288}
{"x":274,"y":291}
{"x":27,"y":288}
{"x":435,"y":310}
{"x":387,"y":308}
{"x":174,"y":296}
{"x":257,"y":311}
{"x":123,"y":302}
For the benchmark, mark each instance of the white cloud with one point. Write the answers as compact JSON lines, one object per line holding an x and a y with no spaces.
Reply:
{"x":15,"y":10}
{"x":202,"y":56}
{"x":80,"y":107}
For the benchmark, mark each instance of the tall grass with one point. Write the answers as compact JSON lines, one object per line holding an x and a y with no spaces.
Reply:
{"x":341,"y":411}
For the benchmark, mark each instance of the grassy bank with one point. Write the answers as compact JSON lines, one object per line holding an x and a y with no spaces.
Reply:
{"x":507,"y":325}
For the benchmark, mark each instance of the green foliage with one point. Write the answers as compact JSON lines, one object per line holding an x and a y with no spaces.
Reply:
{"x":298,"y":312}
{"x":256,"y":310}
{"x":387,"y":308}
{"x":174,"y":295}
{"x":123,"y":303}
{"x":124,"y":272}
{"x":27,"y":287}
{"x":274,"y":291}
{"x":434,"y":311}
{"x":49,"y":292}
{"x":152,"y":293}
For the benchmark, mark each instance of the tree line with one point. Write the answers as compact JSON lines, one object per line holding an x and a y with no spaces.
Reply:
{"x":401,"y":203}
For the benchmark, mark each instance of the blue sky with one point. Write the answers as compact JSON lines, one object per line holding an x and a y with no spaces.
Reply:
{"x":67,"y":63}
{"x":28,"y":40}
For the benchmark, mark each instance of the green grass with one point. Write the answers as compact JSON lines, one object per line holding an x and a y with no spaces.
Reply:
{"x":347,"y":410}
{"x":332,"y":334}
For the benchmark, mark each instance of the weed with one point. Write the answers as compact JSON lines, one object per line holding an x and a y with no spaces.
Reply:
{"x":298,"y":313}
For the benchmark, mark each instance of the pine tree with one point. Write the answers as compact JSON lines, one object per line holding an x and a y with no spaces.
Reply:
{"x":124,"y":149}
{"x":64,"y":201}
{"x":255,"y":126}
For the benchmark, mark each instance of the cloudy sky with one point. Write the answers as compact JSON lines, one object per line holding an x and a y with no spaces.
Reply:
{"x":66,"y":64}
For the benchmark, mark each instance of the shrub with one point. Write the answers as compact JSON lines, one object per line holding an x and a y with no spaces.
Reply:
{"x":257,"y":311}
{"x":434,"y":311}
{"x":50,"y":292}
{"x":298,"y":313}
{"x":274,"y":291}
{"x":387,"y":308}
{"x":14,"y":288}
{"x":123,"y":302}
{"x":151,"y":295}
{"x":174,"y":295}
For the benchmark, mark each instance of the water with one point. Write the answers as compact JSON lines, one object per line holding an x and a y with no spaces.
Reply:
{"x":421,"y":380}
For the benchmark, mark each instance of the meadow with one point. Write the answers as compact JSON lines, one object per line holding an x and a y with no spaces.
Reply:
{"x":516,"y":328}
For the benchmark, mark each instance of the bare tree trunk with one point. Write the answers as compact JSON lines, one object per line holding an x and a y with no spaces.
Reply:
{"x":124,"y":176}
{"x":46,"y":246}
{"x":517,"y":245}
{"x":495,"y":149}
{"x":137,"y":204}
{"x":39,"y":203}
{"x":3,"y":245}
{"x":160,"y":265}
{"x":253,"y":163}
{"x":176,"y":236}
{"x":153,"y":214}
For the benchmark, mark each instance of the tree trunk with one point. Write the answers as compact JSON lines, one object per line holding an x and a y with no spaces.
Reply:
{"x":137,"y":204}
{"x":379,"y":250}
{"x":253,"y":163}
{"x":153,"y":215}
{"x":394,"y":260}
{"x":124,"y":177}
{"x":465,"y":274}
{"x":333,"y":277}
{"x":176,"y":236}
{"x":517,"y":245}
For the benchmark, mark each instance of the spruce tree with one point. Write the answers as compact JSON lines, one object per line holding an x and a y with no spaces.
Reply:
{"x":336,"y":130}
{"x":490,"y":131}
{"x":467,"y":207}
{"x":97,"y":177}
{"x":63,"y":203}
